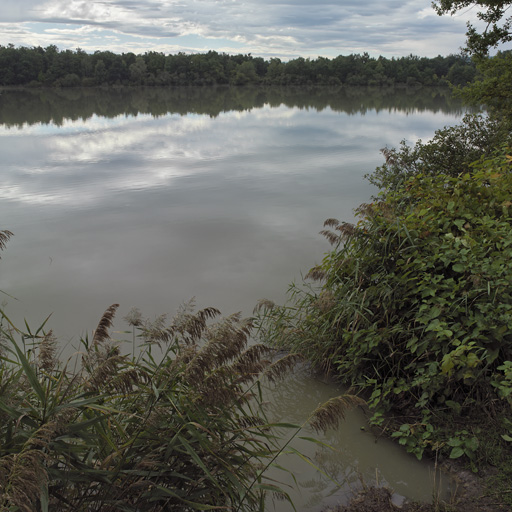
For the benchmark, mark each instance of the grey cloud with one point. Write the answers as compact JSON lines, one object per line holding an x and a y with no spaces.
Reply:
{"x":17,"y":10}
{"x":286,"y":28}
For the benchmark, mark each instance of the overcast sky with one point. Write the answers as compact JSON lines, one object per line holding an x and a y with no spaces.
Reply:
{"x":266,"y":28}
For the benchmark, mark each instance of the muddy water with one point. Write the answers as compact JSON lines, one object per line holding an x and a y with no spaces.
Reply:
{"x":349,"y":458}
{"x":148,"y":197}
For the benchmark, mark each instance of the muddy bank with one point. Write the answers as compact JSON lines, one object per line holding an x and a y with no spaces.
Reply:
{"x":471,"y":494}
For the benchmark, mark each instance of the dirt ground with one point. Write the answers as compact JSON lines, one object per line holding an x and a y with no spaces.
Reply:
{"x":471,"y":496}
{"x":380,"y":500}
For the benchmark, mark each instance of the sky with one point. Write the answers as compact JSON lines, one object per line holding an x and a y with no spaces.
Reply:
{"x":266,"y":28}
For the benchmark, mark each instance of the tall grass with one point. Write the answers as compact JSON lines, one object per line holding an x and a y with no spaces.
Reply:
{"x":181,"y":428}
{"x":181,"y":432}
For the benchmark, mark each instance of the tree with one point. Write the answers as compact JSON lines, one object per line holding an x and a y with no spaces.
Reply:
{"x":492,"y":88}
{"x":275,"y":70}
{"x":138,"y":71}
{"x":118,"y":72}
{"x":498,"y":28}
{"x":100,"y":72}
{"x":245,"y":73}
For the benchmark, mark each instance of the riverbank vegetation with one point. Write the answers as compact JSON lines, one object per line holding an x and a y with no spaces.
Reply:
{"x":180,"y":426}
{"x":413,"y":305}
{"x":114,"y":433}
{"x":48,"y":66}
{"x":415,"y":300}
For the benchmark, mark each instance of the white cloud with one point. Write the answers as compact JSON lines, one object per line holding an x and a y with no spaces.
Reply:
{"x":286,"y":28}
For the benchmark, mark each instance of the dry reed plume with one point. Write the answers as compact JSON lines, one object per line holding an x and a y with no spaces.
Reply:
{"x":5,"y":235}
{"x":332,"y":412}
{"x":182,"y":431}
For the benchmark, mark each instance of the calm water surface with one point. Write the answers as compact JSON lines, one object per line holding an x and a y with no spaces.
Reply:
{"x":151,"y":197}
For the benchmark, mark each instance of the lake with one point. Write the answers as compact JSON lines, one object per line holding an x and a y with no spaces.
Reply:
{"x":150,"y":197}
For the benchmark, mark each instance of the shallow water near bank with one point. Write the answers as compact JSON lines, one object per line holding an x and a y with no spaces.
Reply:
{"x":148,"y":197}
{"x":349,"y":458}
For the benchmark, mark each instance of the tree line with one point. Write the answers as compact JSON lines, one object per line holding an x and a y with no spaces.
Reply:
{"x":49,"y":66}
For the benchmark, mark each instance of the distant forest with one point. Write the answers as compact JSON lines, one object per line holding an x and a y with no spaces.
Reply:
{"x":48,"y":66}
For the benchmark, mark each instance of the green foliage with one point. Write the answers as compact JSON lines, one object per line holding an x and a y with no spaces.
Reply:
{"x":415,"y":302}
{"x":493,"y":87}
{"x":503,"y":383}
{"x":415,"y":305}
{"x":463,"y":443}
{"x":48,"y":66}
{"x":451,"y":151}
{"x":415,"y":437}
{"x":492,"y":13}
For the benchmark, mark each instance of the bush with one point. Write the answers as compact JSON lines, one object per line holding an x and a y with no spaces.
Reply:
{"x":451,"y":152}
{"x":415,"y":305}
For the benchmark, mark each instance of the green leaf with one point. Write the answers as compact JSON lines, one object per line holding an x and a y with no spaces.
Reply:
{"x":316,"y":441}
{"x":194,"y":505}
{"x":271,"y":488}
{"x":433,"y":325}
{"x":472,"y":360}
{"x":293,"y":426}
{"x":472,"y":444}
{"x":459,"y":267}
{"x":455,"y":406}
{"x":507,"y":438}
{"x":10,"y":411}
{"x":30,"y":373}
{"x":457,"y":452}
{"x":447,"y":364}
{"x":195,"y":457}
{"x":44,"y":498}
{"x":434,"y":312}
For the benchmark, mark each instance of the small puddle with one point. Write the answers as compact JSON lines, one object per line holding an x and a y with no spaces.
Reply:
{"x":355,"y":457}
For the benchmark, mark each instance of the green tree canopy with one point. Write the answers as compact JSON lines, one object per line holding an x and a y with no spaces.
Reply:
{"x":497,"y":26}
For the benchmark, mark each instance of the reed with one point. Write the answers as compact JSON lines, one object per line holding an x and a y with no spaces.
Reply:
{"x":185,"y":431}
{"x":105,"y":431}
{"x":121,"y":434}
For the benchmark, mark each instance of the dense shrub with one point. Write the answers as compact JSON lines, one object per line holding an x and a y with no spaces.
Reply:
{"x":451,"y":152}
{"x":415,"y":303}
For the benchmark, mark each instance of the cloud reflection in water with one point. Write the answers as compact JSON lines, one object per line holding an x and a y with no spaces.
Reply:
{"x":150,"y":211}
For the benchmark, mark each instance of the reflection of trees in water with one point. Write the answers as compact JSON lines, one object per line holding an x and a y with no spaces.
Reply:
{"x":57,"y":105}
